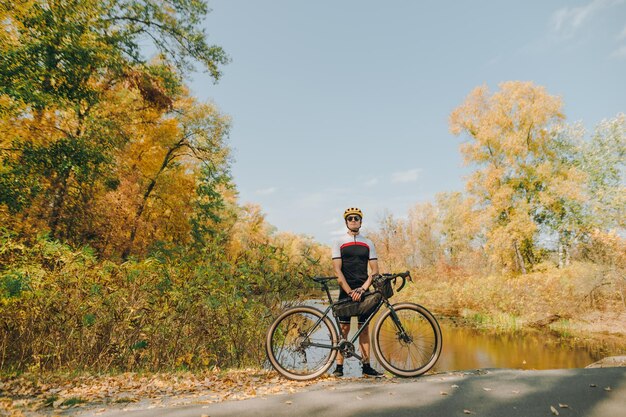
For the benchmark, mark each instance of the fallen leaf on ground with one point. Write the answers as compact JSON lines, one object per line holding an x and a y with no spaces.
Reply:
{"x":563,"y":405}
{"x":43,"y":391}
{"x":554,"y":411}
{"x":607,"y":389}
{"x":487,"y":389}
{"x":443,"y":393}
{"x":468,"y":412}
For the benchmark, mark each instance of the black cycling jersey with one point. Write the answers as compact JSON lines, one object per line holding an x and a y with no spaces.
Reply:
{"x":355,"y":252}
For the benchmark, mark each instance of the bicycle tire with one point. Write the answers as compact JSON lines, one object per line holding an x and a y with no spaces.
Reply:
{"x":413,"y":356}
{"x":286,"y":343}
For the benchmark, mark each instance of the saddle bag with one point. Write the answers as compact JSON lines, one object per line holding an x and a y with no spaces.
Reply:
{"x":383,"y":286}
{"x":347,"y":307}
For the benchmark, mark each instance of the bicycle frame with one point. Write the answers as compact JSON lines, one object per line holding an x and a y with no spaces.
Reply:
{"x":302,"y":342}
{"x":355,"y":337}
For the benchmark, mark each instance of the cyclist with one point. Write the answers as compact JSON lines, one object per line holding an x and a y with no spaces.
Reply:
{"x":352,"y":254}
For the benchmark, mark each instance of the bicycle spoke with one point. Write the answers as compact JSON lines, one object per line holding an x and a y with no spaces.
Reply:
{"x":411,"y":349}
{"x":299,"y":344}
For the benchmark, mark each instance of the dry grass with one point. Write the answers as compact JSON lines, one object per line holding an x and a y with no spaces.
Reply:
{"x":577,"y":298}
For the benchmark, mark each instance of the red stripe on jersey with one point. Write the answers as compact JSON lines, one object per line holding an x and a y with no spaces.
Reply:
{"x":354,"y":243}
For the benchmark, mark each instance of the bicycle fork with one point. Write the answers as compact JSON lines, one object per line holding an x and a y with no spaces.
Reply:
{"x":403,"y":336}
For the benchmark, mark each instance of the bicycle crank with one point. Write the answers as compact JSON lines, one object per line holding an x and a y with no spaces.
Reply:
{"x":347,"y":350}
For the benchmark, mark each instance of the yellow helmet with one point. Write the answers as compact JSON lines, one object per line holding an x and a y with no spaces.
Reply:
{"x":352,"y":210}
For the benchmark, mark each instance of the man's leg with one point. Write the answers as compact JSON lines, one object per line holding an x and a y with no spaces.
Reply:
{"x":364,"y":343}
{"x":345,"y":330}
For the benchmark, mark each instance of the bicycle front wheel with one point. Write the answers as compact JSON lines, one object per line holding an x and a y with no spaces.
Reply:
{"x":299,"y":343}
{"x":410,"y":345}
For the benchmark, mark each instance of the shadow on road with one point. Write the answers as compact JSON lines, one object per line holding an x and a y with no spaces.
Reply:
{"x":599,"y":392}
{"x":510,"y":393}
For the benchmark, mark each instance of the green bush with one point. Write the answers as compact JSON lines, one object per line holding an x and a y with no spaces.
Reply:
{"x":64,"y":309}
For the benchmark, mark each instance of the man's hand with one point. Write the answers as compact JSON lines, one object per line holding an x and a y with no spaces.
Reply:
{"x":356,"y":294}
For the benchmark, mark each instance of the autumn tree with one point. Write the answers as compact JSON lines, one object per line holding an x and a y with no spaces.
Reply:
{"x":604,"y":162}
{"x":461,"y":234}
{"x":597,"y":217}
{"x":193,"y":137}
{"x":61,"y":60}
{"x":390,"y":240}
{"x":424,"y":233}
{"x":521,"y":175}
{"x":413,"y":242}
{"x":103,"y":149}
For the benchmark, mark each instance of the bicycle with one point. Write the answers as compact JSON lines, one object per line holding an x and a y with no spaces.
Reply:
{"x":303,"y":342}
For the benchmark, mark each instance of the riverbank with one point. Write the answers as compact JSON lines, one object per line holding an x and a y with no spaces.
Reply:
{"x":603,"y":332}
{"x":582,"y":300}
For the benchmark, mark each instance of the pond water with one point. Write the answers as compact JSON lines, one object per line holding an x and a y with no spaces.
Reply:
{"x":466,"y":348}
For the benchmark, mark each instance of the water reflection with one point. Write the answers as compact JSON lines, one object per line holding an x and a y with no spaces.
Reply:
{"x":467,"y":348}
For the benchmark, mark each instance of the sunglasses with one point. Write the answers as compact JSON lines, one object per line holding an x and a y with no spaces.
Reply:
{"x":353,"y":218}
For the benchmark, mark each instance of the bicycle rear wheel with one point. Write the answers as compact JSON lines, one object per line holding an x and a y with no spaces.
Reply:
{"x":299,"y":343}
{"x":411,"y":347}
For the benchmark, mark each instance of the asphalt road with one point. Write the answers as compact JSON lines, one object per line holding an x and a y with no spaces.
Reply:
{"x":594,"y":392}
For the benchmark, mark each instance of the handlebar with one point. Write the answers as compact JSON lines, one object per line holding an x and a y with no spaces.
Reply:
{"x":389,"y":277}
{"x":403,"y":275}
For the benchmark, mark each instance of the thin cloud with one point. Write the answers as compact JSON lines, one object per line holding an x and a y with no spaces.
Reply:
{"x":494,"y":61}
{"x":338,"y":232}
{"x":316,"y":199}
{"x":332,"y":221}
{"x":622,"y":34}
{"x":567,"y":20}
{"x":410,"y":175}
{"x":619,"y":53}
{"x":266,"y":191}
{"x":372,"y":182}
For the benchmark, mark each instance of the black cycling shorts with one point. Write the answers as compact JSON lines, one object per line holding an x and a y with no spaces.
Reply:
{"x":346,"y":319}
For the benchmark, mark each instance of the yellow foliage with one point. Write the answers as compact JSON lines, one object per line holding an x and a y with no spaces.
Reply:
{"x":521,"y":174}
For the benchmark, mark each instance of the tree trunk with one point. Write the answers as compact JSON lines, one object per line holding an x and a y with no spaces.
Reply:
{"x":564,"y":252}
{"x":135,"y":224}
{"x":519,"y":258}
{"x":57,"y":205}
{"x":169,"y":157}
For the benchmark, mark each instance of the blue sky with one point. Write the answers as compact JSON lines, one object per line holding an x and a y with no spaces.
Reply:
{"x":346,"y":103}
